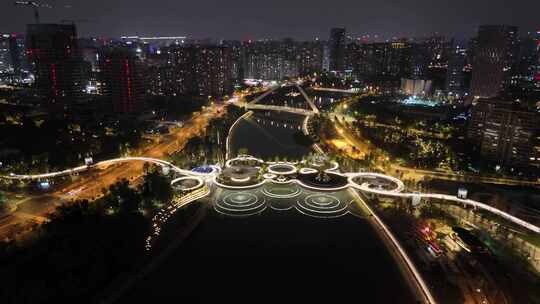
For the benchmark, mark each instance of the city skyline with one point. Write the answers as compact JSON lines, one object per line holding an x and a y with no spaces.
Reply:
{"x":239,"y":151}
{"x":304,"y":20}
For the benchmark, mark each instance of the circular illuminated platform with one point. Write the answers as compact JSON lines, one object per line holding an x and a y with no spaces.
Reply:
{"x":240,"y":204}
{"x":307,"y":171}
{"x":244,"y":160}
{"x":322,"y":205}
{"x":281,"y":195}
{"x":327,"y":181}
{"x":376,"y":183}
{"x":281,"y":191}
{"x":282,"y":169}
{"x":187,"y":183}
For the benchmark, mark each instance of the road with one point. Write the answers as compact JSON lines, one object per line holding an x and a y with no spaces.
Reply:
{"x":89,"y":185}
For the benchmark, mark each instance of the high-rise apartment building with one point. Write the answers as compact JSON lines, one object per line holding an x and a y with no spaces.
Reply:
{"x":53,"y":52}
{"x":310,"y":57}
{"x":526,"y":77}
{"x":336,"y":46}
{"x":121,"y":77}
{"x":54,"y":55}
{"x":494,"y":58}
{"x":9,"y":59}
{"x":271,"y":60}
{"x":504,"y":132}
{"x":455,"y":76}
{"x":203,"y":70}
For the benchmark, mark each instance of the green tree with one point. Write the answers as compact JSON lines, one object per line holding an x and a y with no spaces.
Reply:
{"x":156,"y":187}
{"x":122,"y":198}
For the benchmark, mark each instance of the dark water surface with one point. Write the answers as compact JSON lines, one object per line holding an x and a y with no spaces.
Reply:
{"x":269,"y":136}
{"x":277,"y":257}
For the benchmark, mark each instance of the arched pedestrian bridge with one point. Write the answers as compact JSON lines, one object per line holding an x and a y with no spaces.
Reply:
{"x":255,"y":105}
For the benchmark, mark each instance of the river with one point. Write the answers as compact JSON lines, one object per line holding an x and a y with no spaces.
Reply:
{"x":277,"y":256}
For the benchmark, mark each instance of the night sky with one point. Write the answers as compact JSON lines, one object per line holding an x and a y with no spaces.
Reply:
{"x":299,"y":19}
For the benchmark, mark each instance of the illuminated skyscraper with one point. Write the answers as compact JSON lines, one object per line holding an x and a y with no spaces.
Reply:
{"x":493,"y":61}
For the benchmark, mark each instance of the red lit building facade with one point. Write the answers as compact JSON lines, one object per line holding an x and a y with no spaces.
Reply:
{"x":121,"y":78}
{"x":53,"y":52}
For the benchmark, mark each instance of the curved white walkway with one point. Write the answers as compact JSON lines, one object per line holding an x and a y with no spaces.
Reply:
{"x":396,"y":191}
{"x":156,"y":161}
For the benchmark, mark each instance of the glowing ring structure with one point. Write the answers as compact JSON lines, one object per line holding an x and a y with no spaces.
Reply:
{"x":291,"y":169}
{"x":282,"y":162}
{"x":268,"y":192}
{"x":307,"y":171}
{"x":281,"y":202}
{"x":334,"y":167}
{"x":228,"y":163}
{"x":214,"y":180}
{"x":199,"y":181}
{"x":314,"y":188}
{"x":285,"y":182}
{"x":240,"y":180}
{"x":399,"y":186}
{"x":322,"y":206}
{"x":240,"y":204}
{"x":269,"y":176}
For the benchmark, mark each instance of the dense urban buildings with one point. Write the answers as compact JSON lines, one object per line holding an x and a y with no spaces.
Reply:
{"x":158,"y":147}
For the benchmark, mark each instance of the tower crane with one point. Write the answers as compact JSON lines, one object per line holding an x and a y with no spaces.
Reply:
{"x":35,"y":5}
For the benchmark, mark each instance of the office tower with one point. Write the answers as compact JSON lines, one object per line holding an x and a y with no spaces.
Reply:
{"x":504,"y":132}
{"x":53,"y":52}
{"x":336,"y":47}
{"x":455,"y":79}
{"x":121,"y":77}
{"x":493,"y":61}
